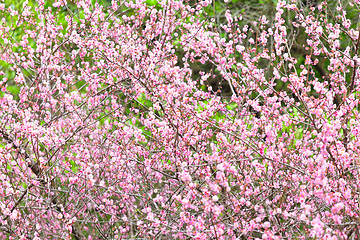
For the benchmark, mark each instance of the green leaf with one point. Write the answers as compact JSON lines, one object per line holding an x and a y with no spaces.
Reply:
{"x":74,"y":166}
{"x":231,"y":106}
{"x":13,"y":89}
{"x":299,"y":133}
{"x":151,"y":2}
{"x":218,"y":117}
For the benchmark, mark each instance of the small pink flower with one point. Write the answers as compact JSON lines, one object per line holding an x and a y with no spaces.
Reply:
{"x":337,"y":208}
{"x":266,"y":225}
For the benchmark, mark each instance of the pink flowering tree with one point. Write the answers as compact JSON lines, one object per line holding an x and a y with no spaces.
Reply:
{"x":107,"y":133}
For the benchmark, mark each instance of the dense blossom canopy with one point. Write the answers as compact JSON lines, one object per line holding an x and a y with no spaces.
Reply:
{"x":107,"y":132}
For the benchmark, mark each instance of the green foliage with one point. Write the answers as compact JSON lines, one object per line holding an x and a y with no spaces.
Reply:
{"x":144,"y":101}
{"x":14,"y":90}
{"x":151,"y":2}
{"x":219,"y":116}
{"x":268,"y":2}
{"x":81,"y":86}
{"x":74,"y":166}
{"x":211,"y":10}
{"x":232,"y":106}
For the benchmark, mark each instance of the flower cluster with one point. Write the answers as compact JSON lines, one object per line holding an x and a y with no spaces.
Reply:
{"x":108,"y":132}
